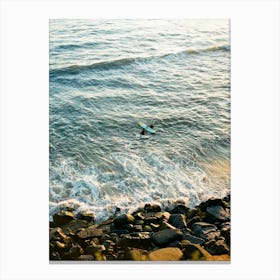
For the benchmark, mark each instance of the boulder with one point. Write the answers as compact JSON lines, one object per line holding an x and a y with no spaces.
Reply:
{"x":193,"y":220}
{"x":193,"y":239}
{"x":58,"y":235}
{"x":90,"y":232}
{"x":137,"y":255}
{"x":178,"y":221}
{"x":166,"y":254}
{"x":163,"y":237}
{"x":205,"y":230}
{"x":192,"y":213}
{"x":152,"y":208}
{"x":135,"y":240}
{"x":122,"y":220}
{"x":217,"y":214}
{"x":62,"y":218}
{"x":75,"y":251}
{"x":218,"y":247}
{"x":180,"y":209}
{"x":194,"y":252}
{"x":211,"y":202}
{"x":74,"y":226}
{"x":86,"y":216}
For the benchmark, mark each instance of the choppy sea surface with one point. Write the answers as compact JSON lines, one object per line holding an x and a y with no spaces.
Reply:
{"x":107,"y":75}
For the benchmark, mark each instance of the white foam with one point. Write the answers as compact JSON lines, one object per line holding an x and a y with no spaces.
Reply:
{"x":132,"y":180}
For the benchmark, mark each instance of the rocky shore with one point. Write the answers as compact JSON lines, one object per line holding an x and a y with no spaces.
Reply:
{"x":148,"y":234}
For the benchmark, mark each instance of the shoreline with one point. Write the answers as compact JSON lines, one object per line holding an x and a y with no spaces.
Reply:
{"x":150,"y":233}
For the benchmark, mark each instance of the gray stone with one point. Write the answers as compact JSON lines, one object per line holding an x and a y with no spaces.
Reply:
{"x":122,"y":220}
{"x":166,"y":236}
{"x":178,"y":221}
{"x":74,"y":226}
{"x":193,"y":239}
{"x":152,"y":207}
{"x":217,"y":214}
{"x":217,"y":248}
{"x":90,"y":232}
{"x":62,"y":218}
{"x":205,"y":230}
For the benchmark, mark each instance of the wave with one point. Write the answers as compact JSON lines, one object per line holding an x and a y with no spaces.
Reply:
{"x":124,"y":62}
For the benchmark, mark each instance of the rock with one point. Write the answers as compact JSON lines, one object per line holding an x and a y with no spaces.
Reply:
{"x":137,"y":255}
{"x":166,"y":254}
{"x":194,"y":252}
{"x":225,"y":232}
{"x":218,"y":247}
{"x":90,"y":232}
{"x":54,"y":256}
{"x":122,"y":220}
{"x":180,"y":209}
{"x":165,"y":225}
{"x":211,"y":202}
{"x":58,"y":235}
{"x":62,"y":218}
{"x":178,"y":221}
{"x":86,"y":258}
{"x":152,"y":207}
{"x":139,"y":216}
{"x":136,"y":240}
{"x":192,"y":213}
{"x":193,"y":239}
{"x":74,"y":252}
{"x":166,"y":236}
{"x":138,"y":228}
{"x":193,"y":220}
{"x":74,"y":226}
{"x":86,"y":216}
{"x":217,"y":214}
{"x":205,"y":230}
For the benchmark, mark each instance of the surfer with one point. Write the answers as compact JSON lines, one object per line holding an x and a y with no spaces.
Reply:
{"x":143,"y":132}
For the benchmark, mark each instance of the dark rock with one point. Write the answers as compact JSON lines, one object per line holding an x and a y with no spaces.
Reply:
{"x":74,"y":252}
{"x":152,"y":207}
{"x":178,"y":221}
{"x":205,"y":230}
{"x":217,"y":214}
{"x":193,"y":239}
{"x":180,"y":209}
{"x":58,"y":235}
{"x":225,"y":232}
{"x":166,"y":254}
{"x":193,"y":220}
{"x":86,"y":216}
{"x":90,"y":232}
{"x":119,"y":231}
{"x":86,"y":258}
{"x":137,"y":240}
{"x":122,"y":220}
{"x":74,"y":226}
{"x":192,"y":213}
{"x":218,"y":247}
{"x":194,"y":252}
{"x":154,"y":227}
{"x":165,"y":225}
{"x":138,"y":228}
{"x":93,"y":248}
{"x":211,"y":202}
{"x":139,"y":216}
{"x":166,"y":236}
{"x":62,"y":218}
{"x":54,"y":256}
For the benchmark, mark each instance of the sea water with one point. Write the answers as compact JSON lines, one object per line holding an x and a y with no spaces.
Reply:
{"x":107,"y":75}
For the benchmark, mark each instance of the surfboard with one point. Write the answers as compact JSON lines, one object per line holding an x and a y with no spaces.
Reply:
{"x":147,"y":128}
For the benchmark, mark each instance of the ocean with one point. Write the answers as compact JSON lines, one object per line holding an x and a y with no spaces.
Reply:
{"x":107,"y":75}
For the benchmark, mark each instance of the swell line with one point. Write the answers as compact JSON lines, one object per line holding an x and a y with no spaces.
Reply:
{"x":123,"y":62}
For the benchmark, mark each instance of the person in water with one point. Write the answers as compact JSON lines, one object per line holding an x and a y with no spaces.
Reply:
{"x":143,"y":132}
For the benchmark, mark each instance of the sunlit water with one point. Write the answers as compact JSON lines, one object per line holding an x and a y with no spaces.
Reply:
{"x":105,"y":76}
